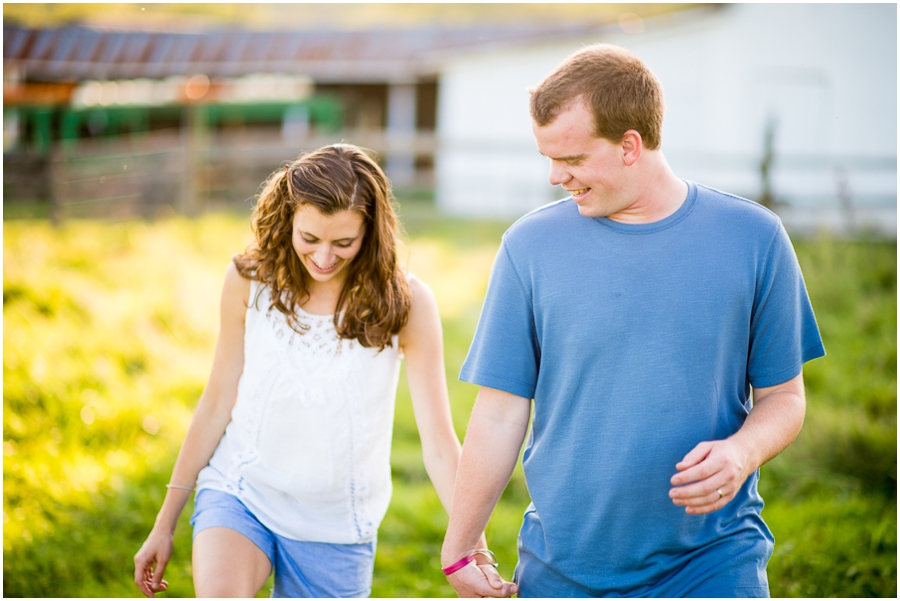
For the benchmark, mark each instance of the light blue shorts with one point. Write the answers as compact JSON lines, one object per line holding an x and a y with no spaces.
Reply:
{"x":302,"y":569}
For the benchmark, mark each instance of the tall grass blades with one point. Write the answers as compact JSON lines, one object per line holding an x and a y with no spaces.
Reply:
{"x":108,"y":338}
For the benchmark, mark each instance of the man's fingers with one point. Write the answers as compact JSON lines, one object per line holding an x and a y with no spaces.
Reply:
{"x":695,"y":456}
{"x":703,"y":502}
{"x":470,"y":582}
{"x":698,"y":494}
{"x":496,"y":581}
{"x":710,"y":507}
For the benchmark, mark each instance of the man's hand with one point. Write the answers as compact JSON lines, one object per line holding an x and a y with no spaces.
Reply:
{"x":710,"y":476}
{"x":493,"y":440}
{"x":480,"y":580}
{"x":713,"y":472}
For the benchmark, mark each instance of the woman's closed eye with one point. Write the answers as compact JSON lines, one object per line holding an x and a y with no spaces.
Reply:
{"x":338,"y":243}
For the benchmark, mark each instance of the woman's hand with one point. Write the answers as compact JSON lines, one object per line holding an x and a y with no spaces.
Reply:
{"x":207,"y":427}
{"x":150,"y":563}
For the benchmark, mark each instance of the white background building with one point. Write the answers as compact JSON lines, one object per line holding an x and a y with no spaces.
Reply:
{"x":823,"y":77}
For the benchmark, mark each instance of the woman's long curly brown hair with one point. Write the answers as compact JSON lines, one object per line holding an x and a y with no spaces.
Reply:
{"x":375,"y":297}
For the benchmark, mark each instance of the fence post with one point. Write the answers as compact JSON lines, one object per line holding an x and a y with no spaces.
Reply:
{"x":195,"y":134}
{"x":401,"y":130}
{"x":58,"y":174}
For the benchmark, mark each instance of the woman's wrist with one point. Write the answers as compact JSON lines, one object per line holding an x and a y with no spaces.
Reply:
{"x":163,"y":529}
{"x":458,"y":565}
{"x":451,"y":553}
{"x":167,"y":518}
{"x":485,"y":556}
{"x":482,"y":556}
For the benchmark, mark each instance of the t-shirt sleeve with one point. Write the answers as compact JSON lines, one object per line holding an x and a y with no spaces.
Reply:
{"x":783,"y":330}
{"x":505,"y":353}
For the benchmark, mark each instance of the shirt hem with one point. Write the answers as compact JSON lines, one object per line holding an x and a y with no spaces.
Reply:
{"x":509,"y":385}
{"x":780,"y":377}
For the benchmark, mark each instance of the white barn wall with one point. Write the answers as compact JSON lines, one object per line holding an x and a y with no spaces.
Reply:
{"x":827,"y":71}
{"x":488,"y":163}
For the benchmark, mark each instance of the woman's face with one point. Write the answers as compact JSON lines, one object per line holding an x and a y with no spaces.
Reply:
{"x":327,"y":243}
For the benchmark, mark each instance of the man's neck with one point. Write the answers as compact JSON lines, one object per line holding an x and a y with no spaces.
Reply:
{"x":658,"y":192}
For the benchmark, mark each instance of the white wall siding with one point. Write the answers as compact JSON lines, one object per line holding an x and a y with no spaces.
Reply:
{"x":488,"y":162}
{"x":827,"y":73}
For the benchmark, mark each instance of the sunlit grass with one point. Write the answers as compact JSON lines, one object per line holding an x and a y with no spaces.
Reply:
{"x":459,"y":284}
{"x":108,"y":337}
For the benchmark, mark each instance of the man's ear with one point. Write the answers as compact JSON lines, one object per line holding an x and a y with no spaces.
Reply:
{"x":632,"y":145}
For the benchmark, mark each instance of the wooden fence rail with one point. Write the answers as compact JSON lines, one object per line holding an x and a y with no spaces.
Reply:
{"x":174,"y":172}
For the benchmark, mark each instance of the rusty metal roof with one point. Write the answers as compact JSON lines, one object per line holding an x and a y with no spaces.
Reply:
{"x":79,"y":53}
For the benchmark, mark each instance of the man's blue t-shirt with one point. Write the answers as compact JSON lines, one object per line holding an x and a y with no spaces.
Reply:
{"x":637,"y":342}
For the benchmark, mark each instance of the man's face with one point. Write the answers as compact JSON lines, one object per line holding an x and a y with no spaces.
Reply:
{"x":592,"y":169}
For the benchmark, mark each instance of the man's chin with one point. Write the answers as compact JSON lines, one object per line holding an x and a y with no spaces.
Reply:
{"x":587,"y":211}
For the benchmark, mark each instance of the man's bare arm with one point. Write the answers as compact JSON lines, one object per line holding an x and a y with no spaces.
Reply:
{"x":493,"y":439}
{"x":712,"y":473}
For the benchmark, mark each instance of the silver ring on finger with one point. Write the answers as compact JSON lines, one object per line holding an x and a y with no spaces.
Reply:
{"x":721,"y":494}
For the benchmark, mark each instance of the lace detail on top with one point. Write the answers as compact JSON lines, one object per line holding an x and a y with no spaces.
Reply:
{"x":313,"y":350}
{"x":308,"y":447}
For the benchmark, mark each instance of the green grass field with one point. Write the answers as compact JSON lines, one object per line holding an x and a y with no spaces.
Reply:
{"x":108,"y":337}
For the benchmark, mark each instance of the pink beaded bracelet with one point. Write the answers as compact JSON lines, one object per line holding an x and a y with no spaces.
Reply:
{"x":458,"y":565}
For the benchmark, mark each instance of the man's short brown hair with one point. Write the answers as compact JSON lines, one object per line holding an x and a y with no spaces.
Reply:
{"x":616,"y":86}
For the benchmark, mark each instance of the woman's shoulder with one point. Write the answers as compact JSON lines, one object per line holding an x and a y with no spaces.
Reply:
{"x":423,"y":308}
{"x":417,"y":288}
{"x":237,"y":285}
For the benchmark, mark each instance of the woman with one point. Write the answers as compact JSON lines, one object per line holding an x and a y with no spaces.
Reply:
{"x":289,"y":447}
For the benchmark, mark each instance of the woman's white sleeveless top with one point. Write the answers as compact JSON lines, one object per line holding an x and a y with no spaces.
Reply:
{"x":308,"y":446}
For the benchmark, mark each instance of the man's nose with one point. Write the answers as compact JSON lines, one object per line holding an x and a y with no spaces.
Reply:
{"x":558,"y":174}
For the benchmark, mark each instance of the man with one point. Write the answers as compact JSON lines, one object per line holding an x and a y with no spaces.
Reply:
{"x":637,"y":314}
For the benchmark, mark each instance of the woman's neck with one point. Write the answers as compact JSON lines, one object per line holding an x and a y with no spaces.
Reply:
{"x":323,"y":297}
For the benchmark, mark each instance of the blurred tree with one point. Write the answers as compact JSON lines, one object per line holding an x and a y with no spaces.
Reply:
{"x":766,"y":197}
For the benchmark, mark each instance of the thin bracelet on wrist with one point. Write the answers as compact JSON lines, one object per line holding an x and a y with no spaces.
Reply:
{"x":489,"y":554}
{"x":180,"y":487}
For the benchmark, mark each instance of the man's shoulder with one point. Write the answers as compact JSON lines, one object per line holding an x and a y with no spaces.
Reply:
{"x":546,"y":218}
{"x":731,"y":207}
